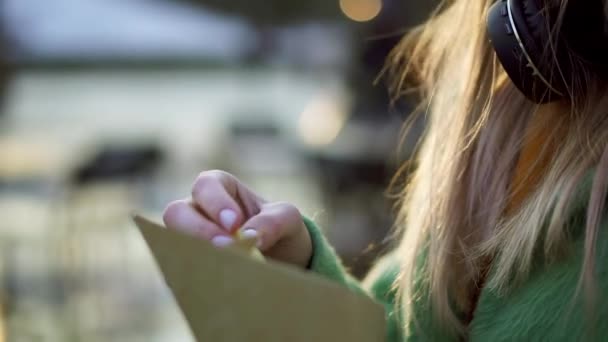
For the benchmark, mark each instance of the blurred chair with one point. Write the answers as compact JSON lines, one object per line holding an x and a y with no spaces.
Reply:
{"x":102,"y":189}
{"x":118,"y":163}
{"x":101,"y":193}
{"x":107,"y":185}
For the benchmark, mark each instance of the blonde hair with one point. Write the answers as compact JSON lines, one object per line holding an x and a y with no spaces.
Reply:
{"x":455,"y":214}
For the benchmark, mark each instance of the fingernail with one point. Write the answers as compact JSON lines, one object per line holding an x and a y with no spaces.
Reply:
{"x":227,"y":218}
{"x":250,"y":233}
{"x":222,"y":241}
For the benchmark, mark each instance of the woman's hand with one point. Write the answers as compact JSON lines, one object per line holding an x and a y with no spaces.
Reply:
{"x":220,"y":204}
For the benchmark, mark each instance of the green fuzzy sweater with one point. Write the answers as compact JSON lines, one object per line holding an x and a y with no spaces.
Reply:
{"x":542,"y":309}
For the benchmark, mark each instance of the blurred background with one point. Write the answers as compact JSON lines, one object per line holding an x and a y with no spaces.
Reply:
{"x":114,"y":106}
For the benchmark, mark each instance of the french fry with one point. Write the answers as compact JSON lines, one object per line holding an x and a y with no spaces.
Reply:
{"x":248,"y":244}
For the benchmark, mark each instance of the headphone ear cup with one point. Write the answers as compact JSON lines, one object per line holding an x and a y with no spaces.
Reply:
{"x":534,"y":21}
{"x":532,"y":27}
{"x":515,"y":31}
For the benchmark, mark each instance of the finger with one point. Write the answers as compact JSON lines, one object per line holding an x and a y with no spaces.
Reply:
{"x":274,"y":222}
{"x":214,"y":193}
{"x":182,"y":216}
{"x":248,"y":200}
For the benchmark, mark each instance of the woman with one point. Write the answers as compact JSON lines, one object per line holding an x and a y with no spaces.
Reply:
{"x":506,"y":232}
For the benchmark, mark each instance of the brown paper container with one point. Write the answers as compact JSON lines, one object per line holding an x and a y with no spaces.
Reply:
{"x":225,"y":295}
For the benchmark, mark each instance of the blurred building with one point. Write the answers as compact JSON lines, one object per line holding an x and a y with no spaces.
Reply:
{"x":4,"y":66}
{"x":114,"y":106}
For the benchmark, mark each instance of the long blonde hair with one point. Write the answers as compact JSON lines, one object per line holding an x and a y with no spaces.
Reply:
{"x":454,"y":215}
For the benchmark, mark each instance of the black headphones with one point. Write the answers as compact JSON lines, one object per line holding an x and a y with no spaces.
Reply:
{"x":540,"y":63}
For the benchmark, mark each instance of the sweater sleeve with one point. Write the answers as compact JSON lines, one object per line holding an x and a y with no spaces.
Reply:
{"x":378,"y":284}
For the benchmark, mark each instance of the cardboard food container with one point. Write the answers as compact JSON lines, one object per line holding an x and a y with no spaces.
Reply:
{"x":226,"y":295}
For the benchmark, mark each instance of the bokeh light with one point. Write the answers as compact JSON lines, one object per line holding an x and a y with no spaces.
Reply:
{"x":321,"y":121}
{"x":361,"y":10}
